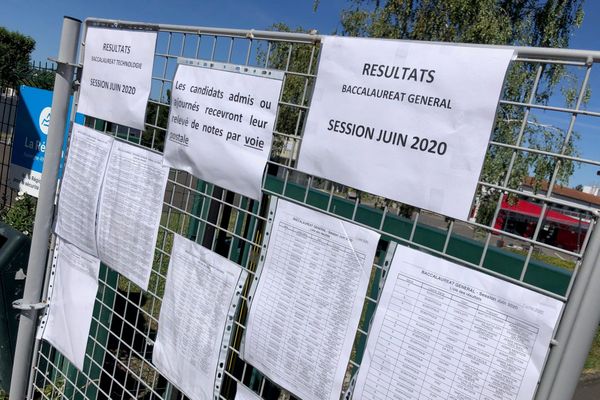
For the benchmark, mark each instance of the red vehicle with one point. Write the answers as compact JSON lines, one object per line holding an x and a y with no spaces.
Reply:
{"x":558,"y":229}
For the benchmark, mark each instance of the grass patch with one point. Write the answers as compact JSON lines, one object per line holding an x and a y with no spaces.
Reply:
{"x":545,"y":258}
{"x":592,"y":364}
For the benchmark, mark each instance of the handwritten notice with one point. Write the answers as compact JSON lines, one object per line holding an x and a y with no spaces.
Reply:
{"x":221,"y":123}
{"x":117,"y":73}
{"x":408,"y":121}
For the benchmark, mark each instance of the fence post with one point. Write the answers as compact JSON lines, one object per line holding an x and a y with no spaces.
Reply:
{"x":63,"y":87}
{"x":576,"y":330}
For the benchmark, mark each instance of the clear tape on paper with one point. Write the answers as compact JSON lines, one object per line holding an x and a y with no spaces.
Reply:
{"x":347,"y":395}
{"x":44,"y":320}
{"x":386,"y":267}
{"x":261,"y":260}
{"x":240,"y":69}
{"x":264,"y":248}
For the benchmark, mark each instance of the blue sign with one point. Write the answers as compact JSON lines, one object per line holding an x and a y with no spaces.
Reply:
{"x":29,"y":139}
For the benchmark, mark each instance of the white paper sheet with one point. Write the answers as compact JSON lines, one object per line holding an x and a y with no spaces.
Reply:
{"x":80,"y":188}
{"x":367,"y":128}
{"x":220,"y":126}
{"x":117,"y":73}
{"x":130,"y":209}
{"x":199,"y":294}
{"x":443,"y":331}
{"x":243,"y":393}
{"x":72,"y":294}
{"x":307,"y":305}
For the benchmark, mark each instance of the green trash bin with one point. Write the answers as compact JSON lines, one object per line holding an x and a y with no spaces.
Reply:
{"x":14,"y":253}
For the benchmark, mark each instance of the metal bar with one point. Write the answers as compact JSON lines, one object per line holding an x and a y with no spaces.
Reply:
{"x":569,"y":132}
{"x":240,"y":33}
{"x":36,"y":344}
{"x":544,"y":198}
{"x":576,"y":330}
{"x":537,"y":60}
{"x":519,"y":140}
{"x":531,"y":53}
{"x":546,"y":153}
{"x":550,"y":108}
{"x":63,"y":87}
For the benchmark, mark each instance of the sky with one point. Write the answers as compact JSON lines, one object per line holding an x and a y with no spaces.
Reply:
{"x":42,"y":19}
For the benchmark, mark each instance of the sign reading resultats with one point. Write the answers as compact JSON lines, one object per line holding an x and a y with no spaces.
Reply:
{"x":407,"y":121}
{"x":221,"y":123}
{"x":116,"y":76}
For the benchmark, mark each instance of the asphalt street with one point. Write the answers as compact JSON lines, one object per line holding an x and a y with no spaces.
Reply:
{"x":588,"y":391}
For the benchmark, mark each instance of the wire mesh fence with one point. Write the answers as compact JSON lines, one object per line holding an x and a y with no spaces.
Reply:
{"x":40,"y":76}
{"x":8,"y":109}
{"x":531,"y":231}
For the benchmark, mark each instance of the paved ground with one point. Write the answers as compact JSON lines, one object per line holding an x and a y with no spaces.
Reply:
{"x":588,"y":391}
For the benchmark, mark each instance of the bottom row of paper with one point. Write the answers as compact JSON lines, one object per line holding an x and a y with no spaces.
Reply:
{"x":440,"y":330}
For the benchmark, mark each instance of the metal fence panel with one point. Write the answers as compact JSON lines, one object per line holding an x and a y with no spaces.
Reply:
{"x":523,"y":252}
{"x":40,"y":75}
{"x":8,"y":111}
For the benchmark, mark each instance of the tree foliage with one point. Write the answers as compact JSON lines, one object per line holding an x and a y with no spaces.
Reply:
{"x":157,"y":117}
{"x":501,"y":22}
{"x":40,"y":78}
{"x":15,"y":50}
{"x":536,"y":23}
{"x":300,"y":61}
{"x":21,"y":214}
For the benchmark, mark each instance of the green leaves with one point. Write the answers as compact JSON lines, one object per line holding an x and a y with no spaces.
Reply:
{"x":508,"y":22}
{"x":15,"y":50}
{"x":535,"y":23}
{"x":21,"y":214}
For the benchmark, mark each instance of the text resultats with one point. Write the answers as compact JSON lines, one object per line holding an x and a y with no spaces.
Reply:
{"x":209,"y":91}
{"x":396,"y":72}
{"x":115,"y":86}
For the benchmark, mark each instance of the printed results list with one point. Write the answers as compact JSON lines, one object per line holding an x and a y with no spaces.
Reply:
{"x":311,"y":277}
{"x":435,"y":344}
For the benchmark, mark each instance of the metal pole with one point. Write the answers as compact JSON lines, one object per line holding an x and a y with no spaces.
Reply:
{"x":569,"y":55}
{"x":63,"y":87}
{"x":577,"y":329}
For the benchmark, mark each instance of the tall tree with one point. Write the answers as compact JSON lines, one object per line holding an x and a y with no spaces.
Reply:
{"x":15,"y":50}
{"x":538,"y":23}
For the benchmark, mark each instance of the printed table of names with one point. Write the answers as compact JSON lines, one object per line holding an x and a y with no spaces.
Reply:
{"x":447,"y":341}
{"x":308,"y":302}
{"x":311,"y":276}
